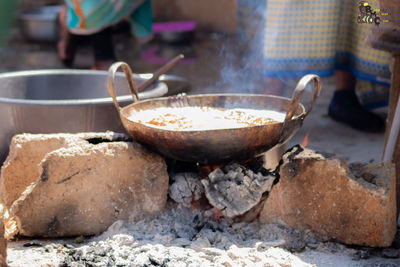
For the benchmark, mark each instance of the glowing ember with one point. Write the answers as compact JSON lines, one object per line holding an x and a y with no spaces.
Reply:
{"x":204,"y":118}
{"x":305,"y":140}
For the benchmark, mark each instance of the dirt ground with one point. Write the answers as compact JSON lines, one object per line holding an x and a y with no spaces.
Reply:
{"x":213,"y":64}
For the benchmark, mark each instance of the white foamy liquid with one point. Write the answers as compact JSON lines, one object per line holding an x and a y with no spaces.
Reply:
{"x":204,"y":118}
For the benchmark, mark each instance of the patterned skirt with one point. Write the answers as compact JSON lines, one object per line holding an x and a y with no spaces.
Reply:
{"x":315,"y":36}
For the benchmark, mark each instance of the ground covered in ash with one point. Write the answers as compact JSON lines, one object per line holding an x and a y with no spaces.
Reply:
{"x":182,"y":237}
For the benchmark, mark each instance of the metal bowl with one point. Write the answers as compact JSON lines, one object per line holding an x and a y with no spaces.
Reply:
{"x":40,"y":24}
{"x":176,"y":37}
{"x":175,"y":31}
{"x":51,"y":101}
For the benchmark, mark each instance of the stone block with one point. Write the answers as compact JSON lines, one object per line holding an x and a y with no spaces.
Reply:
{"x":353,"y":206}
{"x":21,"y":167}
{"x":83,"y":188}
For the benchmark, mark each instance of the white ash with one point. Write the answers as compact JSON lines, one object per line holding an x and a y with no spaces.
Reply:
{"x":186,"y":188}
{"x":235,"y":189}
{"x":180,"y":236}
{"x":183,"y":237}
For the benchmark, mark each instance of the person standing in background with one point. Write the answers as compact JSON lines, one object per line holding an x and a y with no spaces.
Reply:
{"x":325,"y":38}
{"x":94,"y":19}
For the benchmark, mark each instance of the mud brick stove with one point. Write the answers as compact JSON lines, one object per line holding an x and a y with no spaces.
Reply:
{"x":307,"y":199}
{"x":147,"y":209}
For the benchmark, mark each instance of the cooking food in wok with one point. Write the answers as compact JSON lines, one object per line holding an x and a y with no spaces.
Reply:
{"x":204,"y":118}
{"x":213,"y":128}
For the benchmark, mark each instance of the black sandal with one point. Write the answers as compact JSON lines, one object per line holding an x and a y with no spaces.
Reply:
{"x":346,"y":108}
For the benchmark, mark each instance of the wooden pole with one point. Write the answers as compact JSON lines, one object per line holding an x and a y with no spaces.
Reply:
{"x":393,"y":100}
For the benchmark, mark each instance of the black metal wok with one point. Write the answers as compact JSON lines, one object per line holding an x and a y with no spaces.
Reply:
{"x":220,"y":145}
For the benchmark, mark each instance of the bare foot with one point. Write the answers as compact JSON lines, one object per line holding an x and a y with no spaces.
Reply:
{"x":345,"y":80}
{"x":65,"y":48}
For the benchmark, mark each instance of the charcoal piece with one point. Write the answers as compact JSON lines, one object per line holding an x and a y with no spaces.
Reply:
{"x":362,"y":255}
{"x":186,"y":188}
{"x":235,"y":189}
{"x":390,"y":253}
{"x":33,"y":243}
{"x":396,"y":242}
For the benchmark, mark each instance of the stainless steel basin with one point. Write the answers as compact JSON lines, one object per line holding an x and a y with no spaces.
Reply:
{"x":39,"y":24}
{"x":52,"y":101}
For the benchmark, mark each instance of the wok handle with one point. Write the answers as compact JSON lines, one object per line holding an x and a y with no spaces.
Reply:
{"x":298,"y":93}
{"x":129,"y":76}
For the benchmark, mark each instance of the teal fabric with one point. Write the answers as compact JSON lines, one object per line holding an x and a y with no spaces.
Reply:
{"x":91,"y":16}
{"x":142,"y":20}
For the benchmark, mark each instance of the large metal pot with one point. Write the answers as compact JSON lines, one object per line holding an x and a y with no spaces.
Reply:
{"x":39,"y":24}
{"x":215,"y":145}
{"x":51,"y":101}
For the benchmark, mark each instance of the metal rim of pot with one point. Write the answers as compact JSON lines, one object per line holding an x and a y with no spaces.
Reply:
{"x":161,"y":90}
{"x":45,"y":13}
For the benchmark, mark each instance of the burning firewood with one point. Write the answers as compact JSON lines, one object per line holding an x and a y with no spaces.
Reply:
{"x":235,"y":189}
{"x":186,"y":188}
